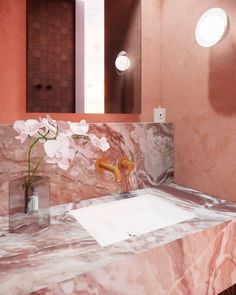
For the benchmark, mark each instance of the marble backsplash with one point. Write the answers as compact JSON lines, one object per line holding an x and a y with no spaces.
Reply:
{"x":148,"y":145}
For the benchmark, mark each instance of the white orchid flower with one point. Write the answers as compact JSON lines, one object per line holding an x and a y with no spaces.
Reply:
{"x":59,"y":145}
{"x":60,"y":151}
{"x":80,"y":128}
{"x":50,"y":126}
{"x":27,"y":128}
{"x":101,"y":143}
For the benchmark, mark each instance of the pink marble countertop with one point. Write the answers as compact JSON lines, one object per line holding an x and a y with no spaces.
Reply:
{"x":65,"y":259}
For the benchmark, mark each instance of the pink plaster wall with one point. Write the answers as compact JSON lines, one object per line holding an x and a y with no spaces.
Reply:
{"x":13,"y":65}
{"x":199,"y":91}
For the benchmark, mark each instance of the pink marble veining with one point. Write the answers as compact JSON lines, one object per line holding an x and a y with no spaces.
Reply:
{"x":202,"y":263}
{"x":194,"y":257}
{"x":148,"y":145}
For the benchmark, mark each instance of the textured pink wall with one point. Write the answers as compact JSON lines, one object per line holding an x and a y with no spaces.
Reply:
{"x":13,"y":74}
{"x":199,"y":91}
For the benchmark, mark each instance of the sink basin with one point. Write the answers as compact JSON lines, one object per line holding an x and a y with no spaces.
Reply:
{"x":116,"y":221}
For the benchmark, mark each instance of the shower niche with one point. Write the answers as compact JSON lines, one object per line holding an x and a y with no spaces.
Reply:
{"x":50,"y":56}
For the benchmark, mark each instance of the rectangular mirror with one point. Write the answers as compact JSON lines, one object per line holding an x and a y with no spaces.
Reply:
{"x":84,"y":56}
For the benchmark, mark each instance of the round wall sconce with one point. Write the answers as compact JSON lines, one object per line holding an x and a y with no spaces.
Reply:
{"x":122,"y":62}
{"x":211,"y":27}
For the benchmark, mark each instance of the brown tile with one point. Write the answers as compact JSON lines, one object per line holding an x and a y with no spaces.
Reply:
{"x":57,"y":49}
{"x":44,"y":40}
{"x":37,"y":25}
{"x":64,"y":31}
{"x":51,"y":29}
{"x":51,"y":48}
{"x":37,"y":53}
{"x":43,"y":68}
{"x":64,"y":57}
{"x":51,"y":56}
{"x":58,"y":23}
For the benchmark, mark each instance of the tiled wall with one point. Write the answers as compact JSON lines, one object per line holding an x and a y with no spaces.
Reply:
{"x":148,"y":145}
{"x":50,"y":56}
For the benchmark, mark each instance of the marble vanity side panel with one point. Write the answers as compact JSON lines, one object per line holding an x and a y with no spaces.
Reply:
{"x":149,"y":145}
{"x":203,"y":263}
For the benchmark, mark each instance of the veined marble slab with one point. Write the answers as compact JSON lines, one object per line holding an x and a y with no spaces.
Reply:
{"x":148,"y":145}
{"x":194,"y":257}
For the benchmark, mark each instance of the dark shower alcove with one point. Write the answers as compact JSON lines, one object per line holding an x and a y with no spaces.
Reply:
{"x":51,"y":56}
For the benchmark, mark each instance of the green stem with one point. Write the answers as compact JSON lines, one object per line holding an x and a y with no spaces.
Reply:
{"x":44,"y":136}
{"x":34,"y":142}
{"x":51,"y":138}
{"x":29,"y":159}
{"x":36,"y":167}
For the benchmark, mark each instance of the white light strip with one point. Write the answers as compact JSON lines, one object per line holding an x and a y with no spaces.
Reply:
{"x":94,"y":56}
{"x":90,"y":60}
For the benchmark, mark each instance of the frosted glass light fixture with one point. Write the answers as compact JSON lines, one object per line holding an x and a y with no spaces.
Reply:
{"x":122,"y":62}
{"x":211,"y":27}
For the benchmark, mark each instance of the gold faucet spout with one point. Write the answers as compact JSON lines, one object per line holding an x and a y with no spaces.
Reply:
{"x":102,"y":165}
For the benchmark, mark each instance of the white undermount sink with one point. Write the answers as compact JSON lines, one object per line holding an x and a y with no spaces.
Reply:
{"x":116,"y":221}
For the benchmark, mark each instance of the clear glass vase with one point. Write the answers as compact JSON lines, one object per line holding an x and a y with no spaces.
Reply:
{"x":29,"y":207}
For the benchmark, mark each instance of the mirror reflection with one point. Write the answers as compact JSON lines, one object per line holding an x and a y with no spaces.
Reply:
{"x":84,"y":56}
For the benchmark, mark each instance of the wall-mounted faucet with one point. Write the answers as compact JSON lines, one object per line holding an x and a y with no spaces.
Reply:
{"x":102,"y":165}
{"x":126,"y":165}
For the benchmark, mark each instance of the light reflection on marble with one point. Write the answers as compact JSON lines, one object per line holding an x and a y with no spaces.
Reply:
{"x":153,"y":162}
{"x":193,"y":257}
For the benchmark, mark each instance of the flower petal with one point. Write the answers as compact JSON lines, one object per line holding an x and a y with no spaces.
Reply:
{"x":61,"y":151}
{"x":50,"y":125}
{"x":64,"y":127}
{"x":22,"y":137}
{"x":80,"y":128}
{"x":52,"y":147}
{"x":19,"y":126}
{"x":101,"y":143}
{"x":64,"y":164}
